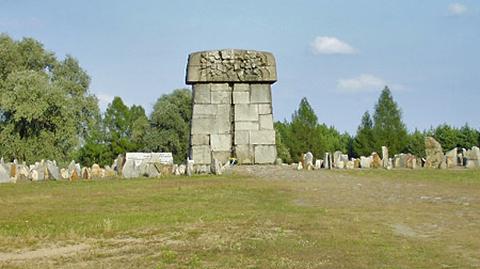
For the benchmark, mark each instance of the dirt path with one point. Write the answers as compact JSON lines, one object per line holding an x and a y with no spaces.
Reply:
{"x":47,"y":252}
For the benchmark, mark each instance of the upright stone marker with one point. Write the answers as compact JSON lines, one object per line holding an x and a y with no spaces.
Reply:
{"x":232,"y":106}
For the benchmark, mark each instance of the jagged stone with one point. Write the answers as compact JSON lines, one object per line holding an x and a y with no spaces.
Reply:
{"x":473,"y":158}
{"x":452,"y":158}
{"x":190,"y":167}
{"x":308,"y":161}
{"x":365,"y":162}
{"x":318,"y":164}
{"x":53,"y":170}
{"x":385,"y":157}
{"x":96,"y":171}
{"x":4,"y":174}
{"x":376,"y":161}
{"x":434,"y":152}
{"x":216,"y":167}
{"x":299,"y":166}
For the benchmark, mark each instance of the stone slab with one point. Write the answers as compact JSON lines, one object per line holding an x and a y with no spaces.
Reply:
{"x":203,"y":125}
{"x":246,"y":112}
{"x":202,"y":110}
{"x":265,"y":154}
{"x":220,"y":87}
{"x":260,"y":93}
{"x":201,"y":93}
{"x":244,"y":154}
{"x":201,"y":154}
{"x":265,"y":109}
{"x":222,"y":156}
{"x":221,"y":97}
{"x":200,"y":139}
{"x":231,"y":65}
{"x":265,"y":137}
{"x":246,"y":125}
{"x":220,"y":142}
{"x":241,"y":87}
{"x":266,"y":122}
{"x":241,"y":97}
{"x":242,"y":137}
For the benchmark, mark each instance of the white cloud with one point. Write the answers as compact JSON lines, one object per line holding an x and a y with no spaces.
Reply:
{"x":365,"y":83}
{"x":457,"y":9}
{"x":330,"y":45}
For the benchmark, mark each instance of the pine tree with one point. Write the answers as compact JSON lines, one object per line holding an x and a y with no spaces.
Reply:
{"x":363,"y":143}
{"x":388,"y":128}
{"x":303,"y":132}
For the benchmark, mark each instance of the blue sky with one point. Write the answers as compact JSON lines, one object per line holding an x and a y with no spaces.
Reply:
{"x":339,"y":54}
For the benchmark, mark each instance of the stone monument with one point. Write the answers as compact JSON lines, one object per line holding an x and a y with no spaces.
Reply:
{"x":232,"y":106}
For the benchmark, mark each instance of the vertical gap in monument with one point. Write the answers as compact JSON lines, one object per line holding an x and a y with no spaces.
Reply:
{"x":232,"y":122}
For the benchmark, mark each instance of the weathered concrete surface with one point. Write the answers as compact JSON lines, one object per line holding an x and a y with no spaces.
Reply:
{"x":232,"y":106}
{"x":231,"y":65}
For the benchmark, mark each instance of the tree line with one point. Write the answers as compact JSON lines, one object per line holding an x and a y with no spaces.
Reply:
{"x":48,"y":112}
{"x":384,"y":128}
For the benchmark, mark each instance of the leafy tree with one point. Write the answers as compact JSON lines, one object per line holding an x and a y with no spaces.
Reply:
{"x":118,"y":128}
{"x":346,"y":144}
{"x":45,"y":108}
{"x":416,"y":144}
{"x":170,"y":124}
{"x":469,"y":137}
{"x":388,"y":128}
{"x":283,"y":152}
{"x":363,"y":144}
{"x":447,"y":136}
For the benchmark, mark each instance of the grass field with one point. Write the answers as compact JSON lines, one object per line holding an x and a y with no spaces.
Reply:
{"x":257,"y":217}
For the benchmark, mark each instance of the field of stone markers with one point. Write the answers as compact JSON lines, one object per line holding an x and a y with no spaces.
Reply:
{"x":251,"y":217}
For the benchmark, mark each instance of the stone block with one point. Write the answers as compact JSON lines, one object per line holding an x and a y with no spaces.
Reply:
{"x":223,"y":110}
{"x":201,"y":93}
{"x":260,"y":93}
{"x":264,"y":109}
{"x":222,"y":156}
{"x":246,"y":125}
{"x":203,"y":125}
{"x":222,"y":124}
{"x":241,"y":87}
{"x":242,"y":137}
{"x":220,"y":87}
{"x":265,"y":137}
{"x":244,"y":154}
{"x":202,"y":110}
{"x":266,"y":122}
{"x":245,"y":112}
{"x":200,"y":139}
{"x":201,"y":154}
{"x":265,"y":154}
{"x":221,"y":97}
{"x":241,"y":97}
{"x":220,"y":142}
{"x":231,"y":65}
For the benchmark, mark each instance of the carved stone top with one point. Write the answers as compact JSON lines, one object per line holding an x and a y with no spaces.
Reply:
{"x":231,"y":65}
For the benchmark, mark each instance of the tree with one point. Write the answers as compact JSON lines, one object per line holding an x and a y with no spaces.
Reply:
{"x":45,"y":108}
{"x":303,"y":132}
{"x":283,"y":152}
{"x":388,"y":128}
{"x":416,"y":144}
{"x":447,"y":136}
{"x":469,"y":137}
{"x":170,"y":124}
{"x":363,"y":144}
